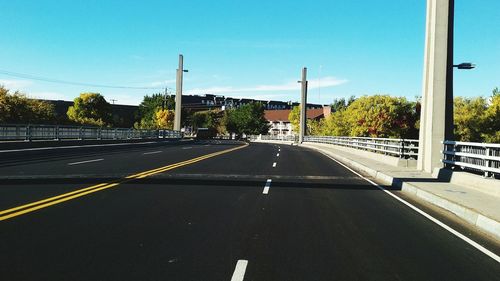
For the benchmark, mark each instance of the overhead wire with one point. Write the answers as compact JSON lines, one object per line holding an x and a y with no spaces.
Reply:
{"x":58,"y":81}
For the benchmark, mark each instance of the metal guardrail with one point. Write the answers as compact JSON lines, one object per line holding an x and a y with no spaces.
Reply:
{"x":16,"y":132}
{"x":276,"y":138}
{"x":402,"y":148}
{"x":473,"y":156}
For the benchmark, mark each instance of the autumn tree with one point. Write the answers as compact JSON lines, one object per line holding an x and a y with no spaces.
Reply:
{"x":17,"y":108}
{"x":164,"y":119}
{"x":90,"y":109}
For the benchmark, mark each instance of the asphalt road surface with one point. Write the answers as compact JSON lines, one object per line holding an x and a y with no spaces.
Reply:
{"x":214,"y":210}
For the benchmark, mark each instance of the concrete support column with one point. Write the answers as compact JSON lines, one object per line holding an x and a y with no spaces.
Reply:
{"x":303,"y":106}
{"x":436,"y":119}
{"x":178,"y":94}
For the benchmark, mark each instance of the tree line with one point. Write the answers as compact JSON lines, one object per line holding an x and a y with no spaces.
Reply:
{"x":475,"y":119}
{"x":156,"y":111}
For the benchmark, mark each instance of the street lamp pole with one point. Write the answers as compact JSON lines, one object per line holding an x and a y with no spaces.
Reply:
{"x":303,"y":106}
{"x":178,"y":94}
{"x":449,"y":124}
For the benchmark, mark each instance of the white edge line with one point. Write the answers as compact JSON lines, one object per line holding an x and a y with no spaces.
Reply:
{"x":74,"y":146}
{"x":423,"y":213}
{"x":267,"y":186}
{"x":83,"y":162}
{"x":152,"y":152}
{"x":278,"y":155}
{"x":239,"y":270}
{"x":274,"y":165}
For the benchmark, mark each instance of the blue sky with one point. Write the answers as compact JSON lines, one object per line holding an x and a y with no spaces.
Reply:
{"x":235,"y":48}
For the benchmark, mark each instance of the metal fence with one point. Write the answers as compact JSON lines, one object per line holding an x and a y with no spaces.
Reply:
{"x":61,"y":132}
{"x":403,"y":148}
{"x":472,"y":156}
{"x":276,"y":138}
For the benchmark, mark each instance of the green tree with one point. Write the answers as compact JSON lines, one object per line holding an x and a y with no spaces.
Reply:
{"x":381,"y":116}
{"x":341,"y":103}
{"x":294,"y":118}
{"x":90,"y":109}
{"x":335,"y":125}
{"x":150,"y":105}
{"x":468,"y":118}
{"x":248,"y":119}
{"x":17,"y":108}
{"x":491,"y":119}
{"x":212,"y":119}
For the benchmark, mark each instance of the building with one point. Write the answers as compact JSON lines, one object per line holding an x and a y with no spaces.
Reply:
{"x":279,"y":124}
{"x":206,"y":102}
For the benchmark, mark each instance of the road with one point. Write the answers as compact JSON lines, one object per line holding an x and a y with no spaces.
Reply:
{"x":219,"y":210}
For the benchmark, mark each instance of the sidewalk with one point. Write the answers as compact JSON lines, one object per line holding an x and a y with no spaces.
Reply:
{"x":470,"y":204}
{"x":477,"y":208}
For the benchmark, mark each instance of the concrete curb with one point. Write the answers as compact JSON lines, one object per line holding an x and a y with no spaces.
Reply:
{"x":471,"y":216}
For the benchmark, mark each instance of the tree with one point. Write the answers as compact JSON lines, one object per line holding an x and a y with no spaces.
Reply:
{"x":212,"y":119}
{"x":381,"y":116}
{"x":90,"y":109}
{"x":248,"y":119}
{"x":17,"y":108}
{"x":148,"y":108}
{"x":335,"y":125}
{"x":341,"y":103}
{"x":491,"y":119}
{"x":164,"y":119}
{"x":468,"y":118}
{"x":294,"y":118}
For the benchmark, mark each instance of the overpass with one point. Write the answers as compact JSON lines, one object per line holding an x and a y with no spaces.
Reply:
{"x":119,"y":204}
{"x":221,"y":210}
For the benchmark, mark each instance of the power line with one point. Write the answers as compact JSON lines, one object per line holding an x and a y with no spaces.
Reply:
{"x":58,"y":81}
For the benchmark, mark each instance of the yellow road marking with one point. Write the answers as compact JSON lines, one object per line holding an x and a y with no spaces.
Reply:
{"x":28,"y":208}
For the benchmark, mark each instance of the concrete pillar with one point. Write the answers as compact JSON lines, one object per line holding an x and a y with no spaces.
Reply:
{"x":303,"y":106}
{"x":436,"y":118}
{"x":178,"y":94}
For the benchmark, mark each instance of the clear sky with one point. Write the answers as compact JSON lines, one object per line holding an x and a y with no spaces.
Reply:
{"x":241,"y":48}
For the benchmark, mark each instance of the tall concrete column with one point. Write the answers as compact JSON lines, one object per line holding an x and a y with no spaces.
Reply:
{"x":303,"y":106}
{"x":178,"y":94}
{"x":436,"y":118}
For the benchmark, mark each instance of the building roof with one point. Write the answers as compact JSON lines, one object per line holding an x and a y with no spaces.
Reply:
{"x":282,"y":115}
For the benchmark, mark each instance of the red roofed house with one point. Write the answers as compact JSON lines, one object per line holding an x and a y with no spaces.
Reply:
{"x":281,"y":126}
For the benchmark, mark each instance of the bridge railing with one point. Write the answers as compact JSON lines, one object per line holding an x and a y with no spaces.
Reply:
{"x":275,"y":138}
{"x":18,"y":132}
{"x":473,"y":157}
{"x":402,"y":148}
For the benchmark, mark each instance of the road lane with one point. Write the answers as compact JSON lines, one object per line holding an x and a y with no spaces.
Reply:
{"x":319,"y":222}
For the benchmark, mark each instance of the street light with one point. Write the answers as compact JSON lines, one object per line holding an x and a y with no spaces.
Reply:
{"x":465,"y":65}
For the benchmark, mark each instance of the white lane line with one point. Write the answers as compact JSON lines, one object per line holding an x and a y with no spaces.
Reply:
{"x":274,"y":165}
{"x":278,"y":155}
{"x":423,"y":213}
{"x":239,"y":271}
{"x":267,"y":186}
{"x":83,"y":162}
{"x":152,"y":152}
{"x":189,"y":147}
{"x":279,"y":149}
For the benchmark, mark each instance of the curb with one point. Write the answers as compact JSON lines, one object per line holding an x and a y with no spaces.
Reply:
{"x":471,"y":216}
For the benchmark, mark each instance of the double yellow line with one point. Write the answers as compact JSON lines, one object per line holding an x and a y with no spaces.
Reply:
{"x":31,"y":207}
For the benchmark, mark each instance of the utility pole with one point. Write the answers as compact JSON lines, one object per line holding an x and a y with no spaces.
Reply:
{"x":164,"y":104}
{"x":303,"y":106}
{"x":113,"y":101}
{"x":178,"y":94}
